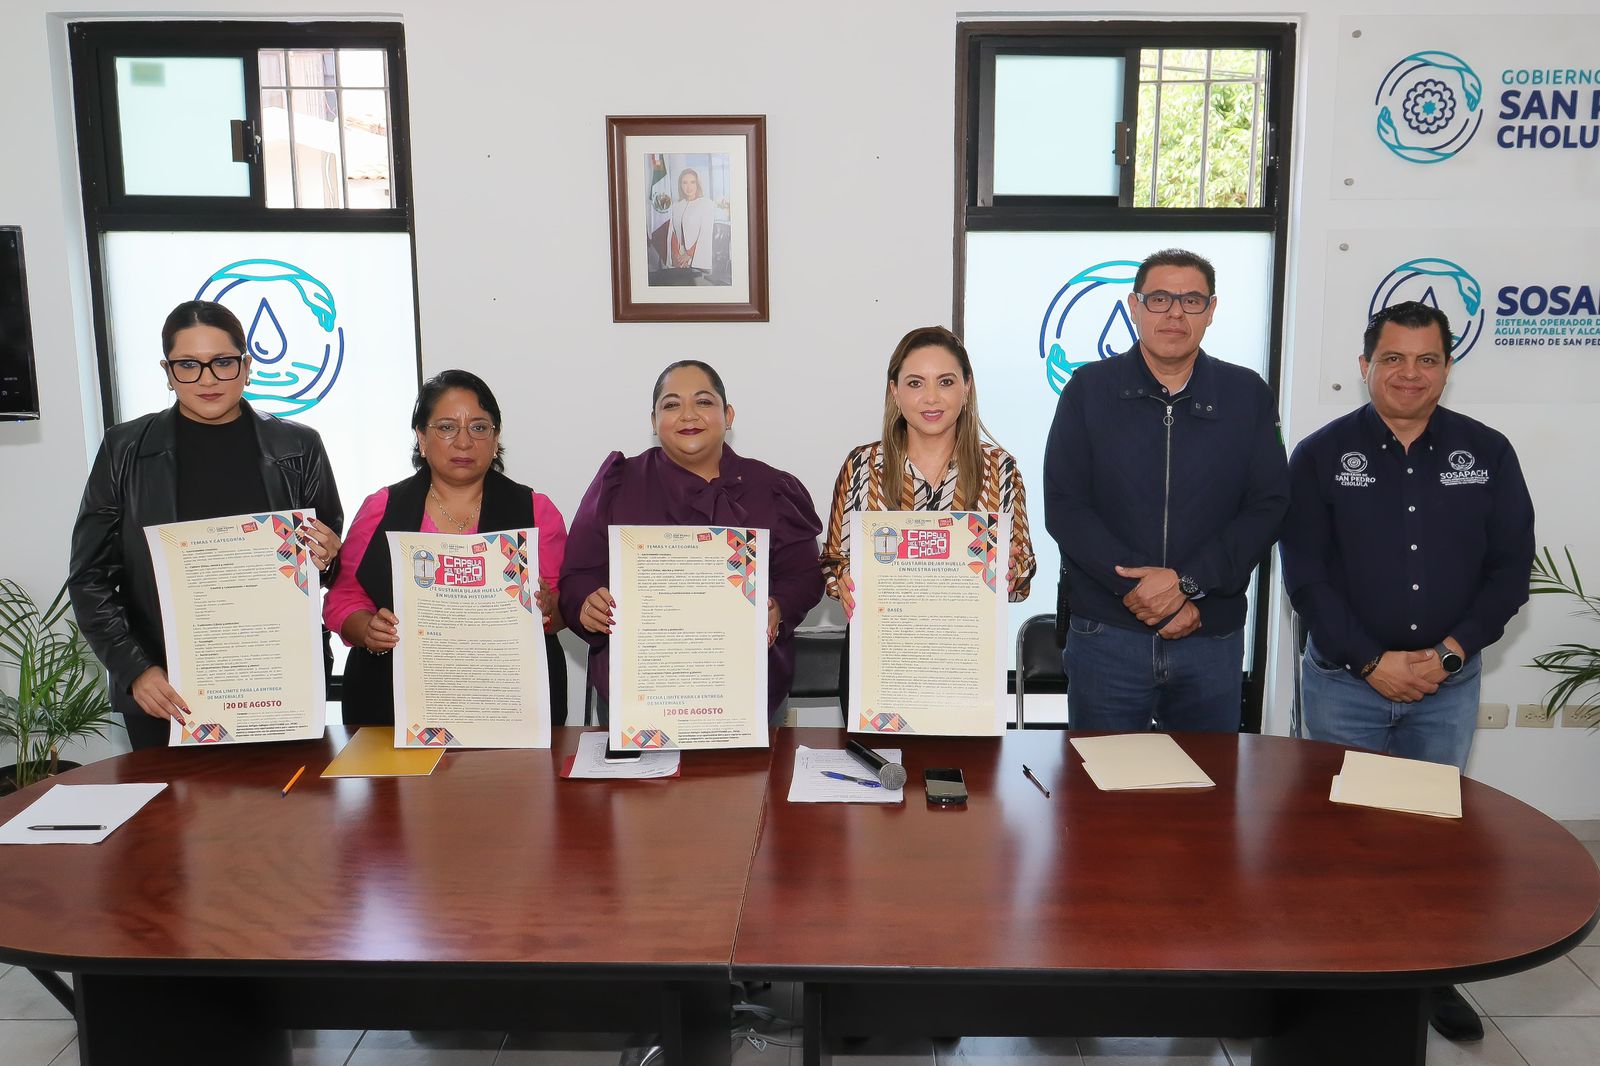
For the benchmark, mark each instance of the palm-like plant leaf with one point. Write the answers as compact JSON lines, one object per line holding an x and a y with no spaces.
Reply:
{"x":1576,"y":666}
{"x":60,"y":693}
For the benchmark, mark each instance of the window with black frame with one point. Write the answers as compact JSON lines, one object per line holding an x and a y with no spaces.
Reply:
{"x":263,"y":165}
{"x":1083,"y":147}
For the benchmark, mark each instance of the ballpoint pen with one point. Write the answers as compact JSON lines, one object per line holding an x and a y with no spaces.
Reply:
{"x":846,"y":777}
{"x":1036,"y":782}
{"x":66,"y":828}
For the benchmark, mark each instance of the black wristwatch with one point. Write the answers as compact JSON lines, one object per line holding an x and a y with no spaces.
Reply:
{"x":1448,"y":659}
{"x":1188,"y":586}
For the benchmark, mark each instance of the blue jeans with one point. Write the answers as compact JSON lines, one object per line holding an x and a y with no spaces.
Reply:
{"x":1122,"y":679}
{"x":1348,"y":711}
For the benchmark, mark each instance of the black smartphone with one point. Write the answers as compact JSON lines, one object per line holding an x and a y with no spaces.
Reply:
{"x":945,"y":786}
{"x":626,"y":755}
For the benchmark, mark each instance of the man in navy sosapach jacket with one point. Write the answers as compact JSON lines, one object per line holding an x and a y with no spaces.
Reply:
{"x":1165,"y":483}
{"x":1406,"y":551}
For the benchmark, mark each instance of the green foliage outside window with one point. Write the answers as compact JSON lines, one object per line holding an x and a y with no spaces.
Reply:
{"x":1207,"y":109}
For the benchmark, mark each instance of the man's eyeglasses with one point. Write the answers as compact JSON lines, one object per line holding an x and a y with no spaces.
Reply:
{"x":188,"y":371}
{"x":1160,"y":301}
{"x":448,"y":430}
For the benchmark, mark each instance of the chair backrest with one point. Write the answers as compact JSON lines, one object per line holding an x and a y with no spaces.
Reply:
{"x":1039,"y":666}
{"x":817,"y":655}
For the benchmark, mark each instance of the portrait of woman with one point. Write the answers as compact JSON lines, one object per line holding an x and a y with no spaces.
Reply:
{"x":693,"y":216}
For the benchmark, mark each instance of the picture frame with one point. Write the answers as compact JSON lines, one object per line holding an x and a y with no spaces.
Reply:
{"x":688,"y":196}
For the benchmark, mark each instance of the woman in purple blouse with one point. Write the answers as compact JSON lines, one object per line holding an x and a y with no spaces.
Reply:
{"x":693,"y":478}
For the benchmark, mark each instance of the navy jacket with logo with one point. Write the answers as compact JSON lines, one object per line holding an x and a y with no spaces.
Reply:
{"x":1132,"y":477}
{"x":1391,"y":549}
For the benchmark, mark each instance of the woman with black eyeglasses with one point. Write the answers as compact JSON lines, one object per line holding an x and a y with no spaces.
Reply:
{"x":459,"y":487}
{"x":209,"y":455}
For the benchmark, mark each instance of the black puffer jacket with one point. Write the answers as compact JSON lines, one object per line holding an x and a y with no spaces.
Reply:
{"x":133,"y":484}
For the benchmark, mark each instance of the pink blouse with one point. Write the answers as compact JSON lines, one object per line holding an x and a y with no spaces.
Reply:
{"x":346,"y":596}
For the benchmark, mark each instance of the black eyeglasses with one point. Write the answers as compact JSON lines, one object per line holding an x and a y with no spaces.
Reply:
{"x":446,"y":429}
{"x":188,"y":371}
{"x":1160,"y":301}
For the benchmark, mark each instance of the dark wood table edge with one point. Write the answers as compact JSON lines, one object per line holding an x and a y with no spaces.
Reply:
{"x":1320,"y":979}
{"x":229,"y":967}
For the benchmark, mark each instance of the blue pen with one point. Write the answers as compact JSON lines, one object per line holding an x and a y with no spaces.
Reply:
{"x":847,"y":777}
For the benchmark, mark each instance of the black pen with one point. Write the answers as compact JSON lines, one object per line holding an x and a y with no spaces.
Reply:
{"x":1036,"y":782}
{"x":66,"y":828}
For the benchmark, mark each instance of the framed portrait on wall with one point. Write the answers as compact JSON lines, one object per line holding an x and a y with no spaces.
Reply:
{"x":688,"y":217}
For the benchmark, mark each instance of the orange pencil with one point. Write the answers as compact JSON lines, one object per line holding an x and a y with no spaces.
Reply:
{"x":293,"y":779}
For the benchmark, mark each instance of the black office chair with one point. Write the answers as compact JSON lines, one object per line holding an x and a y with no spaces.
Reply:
{"x":819,"y":665}
{"x":1039,"y":666}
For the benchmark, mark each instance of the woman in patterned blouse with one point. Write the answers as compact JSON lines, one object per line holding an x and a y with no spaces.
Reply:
{"x":931,"y":441}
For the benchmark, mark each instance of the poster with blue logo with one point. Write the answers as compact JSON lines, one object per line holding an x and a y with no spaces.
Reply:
{"x":1041,"y":305}
{"x":329,"y":321}
{"x":1467,"y":106}
{"x":1524,"y":308}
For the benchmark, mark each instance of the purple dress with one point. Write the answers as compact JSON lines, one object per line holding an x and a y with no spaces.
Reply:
{"x":651,"y":489}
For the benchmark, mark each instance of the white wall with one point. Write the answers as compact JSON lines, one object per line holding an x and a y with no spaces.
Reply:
{"x":514,"y":274}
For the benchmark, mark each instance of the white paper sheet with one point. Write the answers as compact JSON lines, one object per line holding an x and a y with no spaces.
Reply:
{"x":811,"y":786}
{"x":590,"y":761}
{"x":104,"y":806}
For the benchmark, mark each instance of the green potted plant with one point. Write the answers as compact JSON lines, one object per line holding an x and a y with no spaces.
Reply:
{"x":1577,"y":666}
{"x":60,"y":690}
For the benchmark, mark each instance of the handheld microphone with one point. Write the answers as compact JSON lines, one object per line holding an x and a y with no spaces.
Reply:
{"x":889,"y":774}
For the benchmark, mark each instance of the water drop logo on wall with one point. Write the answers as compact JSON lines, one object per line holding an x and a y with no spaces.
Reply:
{"x":1440,"y":284}
{"x":1087,"y":320}
{"x":1430,"y":106}
{"x":292,"y":335}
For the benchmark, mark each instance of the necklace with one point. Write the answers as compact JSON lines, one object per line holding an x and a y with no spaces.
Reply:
{"x":461,"y":526}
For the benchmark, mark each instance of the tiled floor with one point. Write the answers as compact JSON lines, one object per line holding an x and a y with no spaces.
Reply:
{"x":1548,"y":1016}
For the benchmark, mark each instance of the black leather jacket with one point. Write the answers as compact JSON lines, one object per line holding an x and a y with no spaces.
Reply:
{"x":133,"y":484}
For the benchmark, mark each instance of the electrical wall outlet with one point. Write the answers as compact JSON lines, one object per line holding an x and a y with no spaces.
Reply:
{"x":1531,"y":715}
{"x":1493,"y":715}
{"x":1584,"y":717}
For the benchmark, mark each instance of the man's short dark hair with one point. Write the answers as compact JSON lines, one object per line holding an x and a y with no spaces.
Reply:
{"x":1176,"y":257}
{"x":1411,"y":315}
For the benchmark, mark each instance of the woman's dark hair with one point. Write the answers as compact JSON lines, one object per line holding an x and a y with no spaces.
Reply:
{"x":661,"y":382}
{"x":201,"y":313}
{"x":428,"y":398}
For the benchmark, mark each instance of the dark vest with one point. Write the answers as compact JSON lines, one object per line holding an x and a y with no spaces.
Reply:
{"x":368,"y":697}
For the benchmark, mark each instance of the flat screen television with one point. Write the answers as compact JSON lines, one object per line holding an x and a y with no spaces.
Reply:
{"x":19,"y":388}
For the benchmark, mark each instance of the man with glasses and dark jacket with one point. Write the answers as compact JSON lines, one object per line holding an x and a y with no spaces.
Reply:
{"x":1165,"y":484}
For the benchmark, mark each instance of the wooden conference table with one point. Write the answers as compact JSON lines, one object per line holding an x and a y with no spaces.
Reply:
{"x":490,"y":895}
{"x":1257,"y":908}
{"x":493,"y":895}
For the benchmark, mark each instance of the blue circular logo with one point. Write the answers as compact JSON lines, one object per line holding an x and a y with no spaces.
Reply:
{"x":1088,"y":320}
{"x":292,"y":336}
{"x":1440,"y":284}
{"x":1429,"y":107}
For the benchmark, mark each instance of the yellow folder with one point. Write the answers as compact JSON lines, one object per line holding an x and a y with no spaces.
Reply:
{"x":371,"y":753}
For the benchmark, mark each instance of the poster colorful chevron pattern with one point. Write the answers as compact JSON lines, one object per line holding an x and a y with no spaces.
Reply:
{"x":294,"y":556}
{"x":514,"y":549}
{"x":742,"y":563}
{"x":983,"y":550}
{"x":429,"y":736}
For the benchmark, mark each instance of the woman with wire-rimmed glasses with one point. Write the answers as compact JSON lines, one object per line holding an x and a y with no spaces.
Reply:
{"x":459,"y":487}
{"x":209,"y":455}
